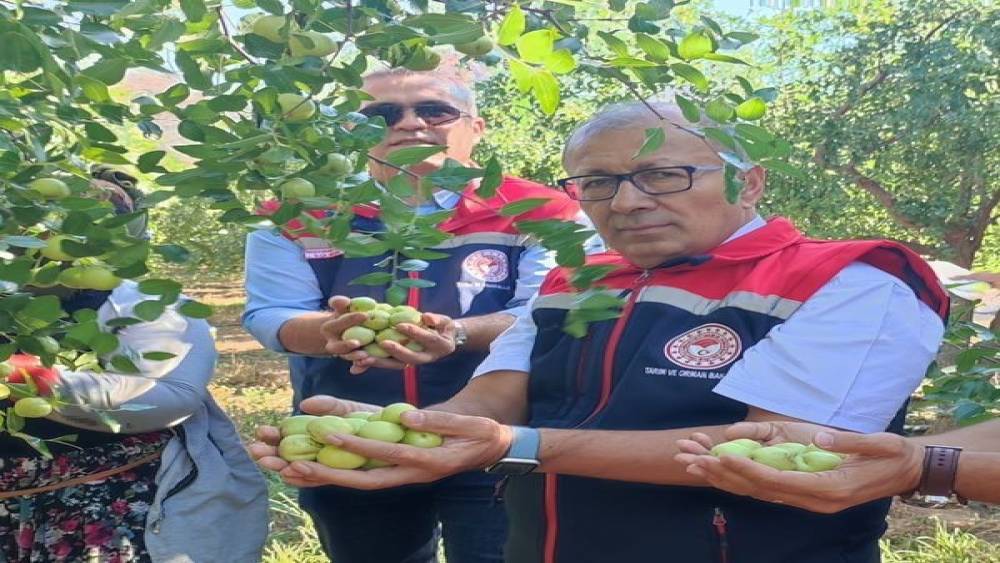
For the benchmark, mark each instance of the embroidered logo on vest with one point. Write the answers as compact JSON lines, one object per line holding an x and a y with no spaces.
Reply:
{"x":487,"y":265}
{"x":708,"y":346}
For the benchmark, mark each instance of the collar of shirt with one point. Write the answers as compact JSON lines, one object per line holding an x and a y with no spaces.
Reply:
{"x":754,"y":224}
{"x":440,"y":200}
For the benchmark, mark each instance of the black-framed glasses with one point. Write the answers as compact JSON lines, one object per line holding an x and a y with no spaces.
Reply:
{"x":653,"y":181}
{"x":434,"y":114}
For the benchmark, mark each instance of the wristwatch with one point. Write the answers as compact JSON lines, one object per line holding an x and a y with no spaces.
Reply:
{"x":937,"y":481}
{"x":522,"y":457}
{"x":461,"y":336}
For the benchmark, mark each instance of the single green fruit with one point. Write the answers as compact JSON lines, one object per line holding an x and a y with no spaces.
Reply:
{"x":32,"y":407}
{"x":393,"y":335}
{"x":4,"y":391}
{"x":50,"y":188}
{"x":384,"y":307}
{"x":391,"y":412}
{"x":311,"y":44}
{"x":296,"y":424}
{"x":375,"y":351}
{"x":54,"y":250}
{"x":414,"y":346}
{"x":297,"y":188}
{"x":362,"y":415}
{"x":751,"y":109}
{"x":813,"y":461}
{"x":794,"y":448}
{"x":298,"y":447}
{"x":719,"y":110}
{"x":362,"y":304}
{"x":89,"y":277}
{"x":45,"y":276}
{"x":337,"y":165}
{"x":6,"y":369}
{"x":48,"y":344}
{"x":377,"y":320}
{"x":375,"y":464}
{"x":382,"y":431}
{"x":732,"y":449}
{"x":423,"y":58}
{"x":356,"y":424}
{"x":363,"y":335}
{"x":694,"y":46}
{"x":778,"y":458}
{"x":412,"y":317}
{"x":421,"y":439}
{"x":323,"y":426}
{"x":336,"y":458}
{"x":375,"y":416}
{"x":296,"y":108}
{"x":476,"y":48}
{"x":752,"y":444}
{"x":404,"y":308}
{"x":269,"y":27}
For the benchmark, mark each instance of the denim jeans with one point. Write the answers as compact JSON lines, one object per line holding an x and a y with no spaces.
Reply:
{"x":402,"y":525}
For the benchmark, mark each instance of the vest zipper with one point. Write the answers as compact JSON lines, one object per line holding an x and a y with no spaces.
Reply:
{"x":410,"y":390}
{"x":550,"y":493}
{"x":719,"y":522}
{"x":180,"y":486}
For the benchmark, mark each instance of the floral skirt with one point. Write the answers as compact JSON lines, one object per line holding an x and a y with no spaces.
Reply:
{"x":95,"y":522}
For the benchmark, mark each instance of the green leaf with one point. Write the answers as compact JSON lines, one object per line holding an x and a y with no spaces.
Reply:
{"x":193,"y":9}
{"x":149,"y":162}
{"x":734,"y":186}
{"x":561,"y":61}
{"x":193,"y":75}
{"x":743,"y":37}
{"x":97,"y":132}
{"x":172,"y":253}
{"x":783,"y":167}
{"x":536,"y":46}
{"x":17,"y":53}
{"x":692,"y":75}
{"x":159,"y":287}
{"x":195,"y":310}
{"x":93,"y":89}
{"x":655,"y":49}
{"x":149,"y":310}
{"x":108,"y":71}
{"x":412,"y":155}
{"x":374,"y":278}
{"x":492,"y":178}
{"x":414,"y":282}
{"x":523,"y":206}
{"x":688,"y":108}
{"x":546,"y":90}
{"x":655,"y":137}
{"x":616,"y":45}
{"x":123,"y":364}
{"x":453,"y":178}
{"x":522,"y":75}
{"x":158,"y":356}
{"x":512,"y":27}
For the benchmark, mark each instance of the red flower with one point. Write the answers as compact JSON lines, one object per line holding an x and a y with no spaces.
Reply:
{"x":97,"y":534}
{"x":61,"y":549}
{"x":119,"y":507}
{"x":69,"y":526}
{"x":25,"y":537}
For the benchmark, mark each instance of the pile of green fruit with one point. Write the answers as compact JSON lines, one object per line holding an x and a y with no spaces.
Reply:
{"x":303,"y":437}
{"x":789,"y":456}
{"x":380,"y":326}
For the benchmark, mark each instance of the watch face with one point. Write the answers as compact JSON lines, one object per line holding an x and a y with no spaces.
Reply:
{"x":513,"y":467}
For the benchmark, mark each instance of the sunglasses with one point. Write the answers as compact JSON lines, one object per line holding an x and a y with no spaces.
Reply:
{"x":432,"y":113}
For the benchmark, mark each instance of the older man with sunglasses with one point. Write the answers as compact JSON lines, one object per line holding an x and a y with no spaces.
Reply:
{"x":297,"y":286}
{"x":725,"y":317}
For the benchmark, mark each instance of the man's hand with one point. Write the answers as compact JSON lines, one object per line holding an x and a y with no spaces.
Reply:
{"x":992,"y":278}
{"x":470,"y":442}
{"x":880,"y":465}
{"x":265,"y":450}
{"x":437,"y":337}
{"x":341,"y":320}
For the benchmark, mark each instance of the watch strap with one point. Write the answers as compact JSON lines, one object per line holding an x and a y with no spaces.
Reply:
{"x":461,"y":335}
{"x":940,"y":468}
{"x":525,"y":443}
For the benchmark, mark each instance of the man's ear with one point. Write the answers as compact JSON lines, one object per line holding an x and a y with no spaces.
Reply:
{"x":478,"y":128}
{"x":753,"y":186}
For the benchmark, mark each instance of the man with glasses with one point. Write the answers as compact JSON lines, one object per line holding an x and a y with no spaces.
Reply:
{"x":724,"y":317}
{"x":296,"y":286}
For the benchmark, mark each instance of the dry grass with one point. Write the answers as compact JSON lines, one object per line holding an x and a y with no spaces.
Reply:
{"x":252,"y":386}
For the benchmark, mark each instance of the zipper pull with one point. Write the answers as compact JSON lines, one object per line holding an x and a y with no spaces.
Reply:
{"x":719,"y":520}
{"x":498,"y":490}
{"x":156,"y":525}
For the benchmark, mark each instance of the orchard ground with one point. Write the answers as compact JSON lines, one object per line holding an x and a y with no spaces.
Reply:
{"x":251,"y":384}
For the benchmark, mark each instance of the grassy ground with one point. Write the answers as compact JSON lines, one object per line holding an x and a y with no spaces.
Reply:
{"x":251,"y":385}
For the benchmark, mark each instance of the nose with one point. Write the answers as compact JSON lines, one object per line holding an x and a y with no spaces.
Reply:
{"x":410,"y":121}
{"x":630,"y":199}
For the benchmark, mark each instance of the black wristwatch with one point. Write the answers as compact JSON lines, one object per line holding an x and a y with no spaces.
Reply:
{"x":522,"y":457}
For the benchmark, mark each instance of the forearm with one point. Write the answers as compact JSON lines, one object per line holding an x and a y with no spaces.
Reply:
{"x":983,"y":437}
{"x":978,"y":476}
{"x":301,"y":335}
{"x":501,"y":396}
{"x":483,"y":330}
{"x":638,"y":456}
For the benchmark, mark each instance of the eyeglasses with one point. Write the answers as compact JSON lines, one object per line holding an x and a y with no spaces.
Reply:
{"x":434,"y":114}
{"x":652,"y":181}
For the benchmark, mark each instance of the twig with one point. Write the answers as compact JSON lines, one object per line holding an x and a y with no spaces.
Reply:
{"x":229,"y":38}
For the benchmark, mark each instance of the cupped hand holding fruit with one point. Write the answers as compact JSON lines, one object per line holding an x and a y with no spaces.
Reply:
{"x":386,"y":337}
{"x":877,"y":465}
{"x":415,"y":455}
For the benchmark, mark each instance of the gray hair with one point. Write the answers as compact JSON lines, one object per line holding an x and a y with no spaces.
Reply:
{"x":457,"y":85}
{"x":629,"y":114}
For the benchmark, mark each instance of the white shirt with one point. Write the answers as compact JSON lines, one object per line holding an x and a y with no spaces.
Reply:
{"x":847,"y":358}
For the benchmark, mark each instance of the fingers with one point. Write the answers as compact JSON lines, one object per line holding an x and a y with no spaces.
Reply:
{"x":435,"y":342}
{"x":692,"y":447}
{"x":308,"y":474}
{"x":704,"y":440}
{"x":882,"y":444}
{"x":268,"y":435}
{"x":339,"y":304}
{"x":760,"y":431}
{"x":321,"y":405}
{"x":449,"y":424}
{"x":335,"y":327}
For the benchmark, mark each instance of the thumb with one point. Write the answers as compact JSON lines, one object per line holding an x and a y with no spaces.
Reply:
{"x":875,"y":445}
{"x":324,"y":405}
{"x":760,"y":431}
{"x":440,"y":422}
{"x":339,"y":304}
